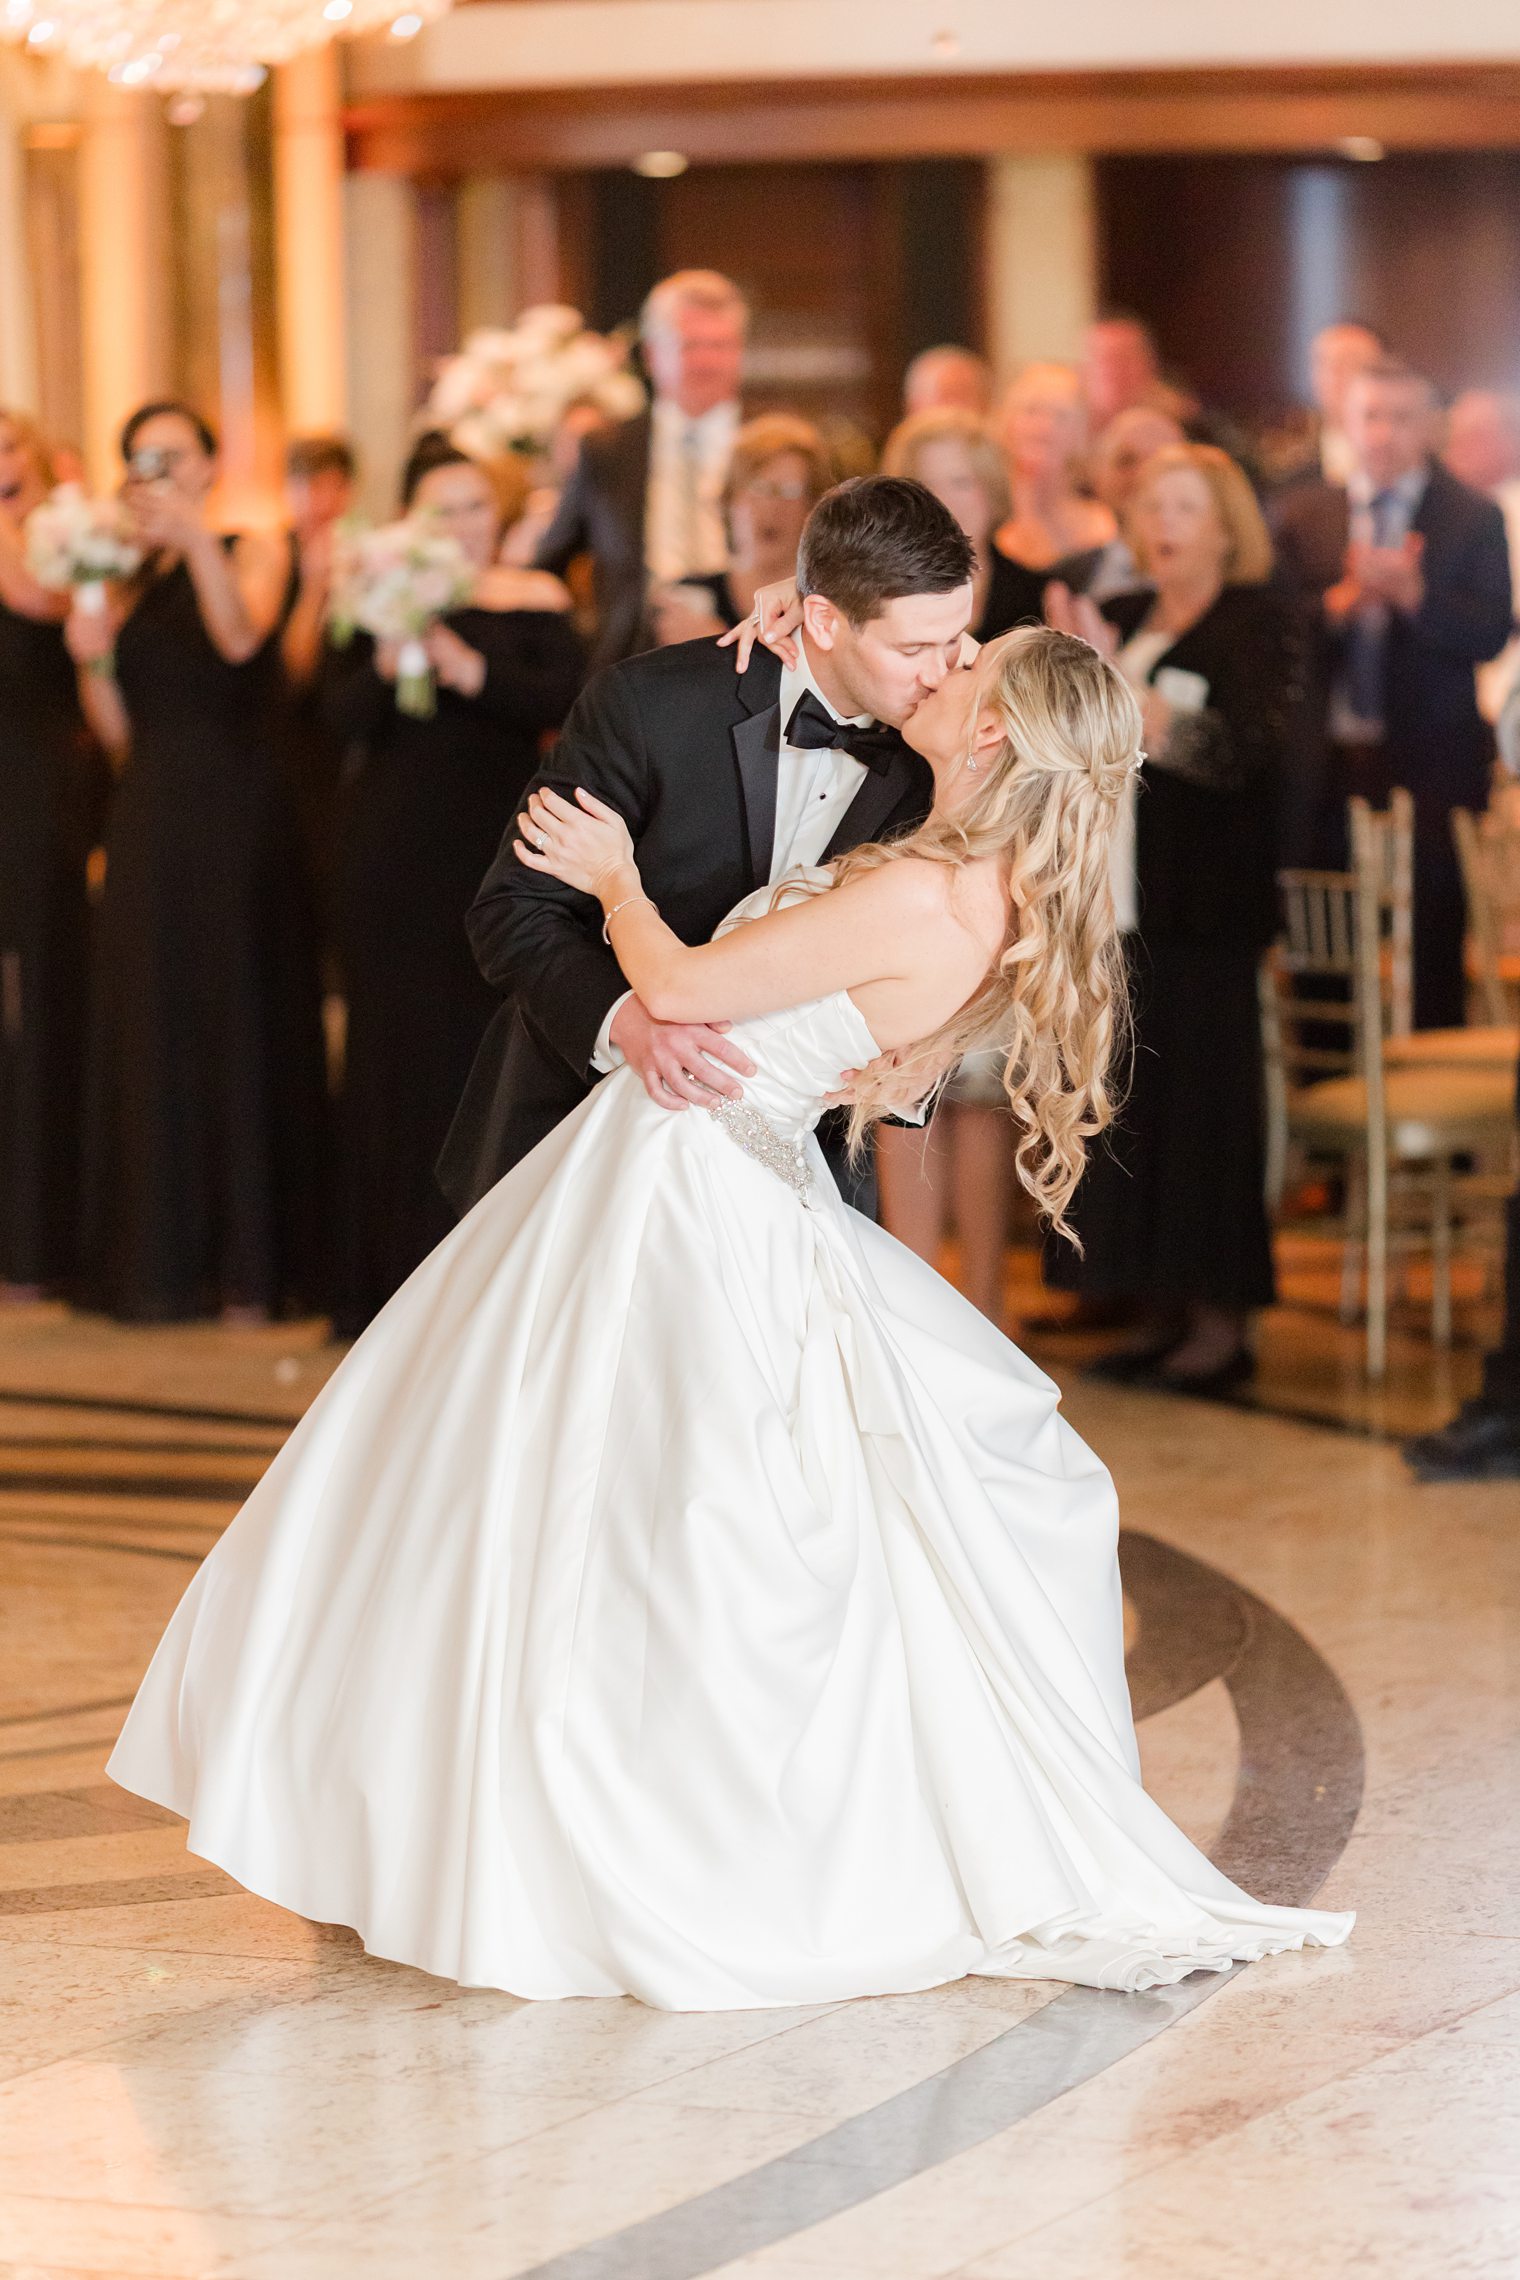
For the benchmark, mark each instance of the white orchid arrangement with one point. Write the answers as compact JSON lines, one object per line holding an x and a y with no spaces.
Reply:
{"x":397,"y":582}
{"x":508,"y":389}
{"x":76,"y":544}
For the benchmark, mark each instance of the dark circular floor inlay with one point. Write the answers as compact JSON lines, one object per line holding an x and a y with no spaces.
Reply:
{"x":1296,"y":1798}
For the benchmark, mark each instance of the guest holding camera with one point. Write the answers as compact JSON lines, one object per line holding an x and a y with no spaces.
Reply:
{"x":206,"y":1095}
{"x":1171,"y":1211}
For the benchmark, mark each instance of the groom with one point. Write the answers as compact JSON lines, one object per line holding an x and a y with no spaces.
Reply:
{"x":726,"y":780}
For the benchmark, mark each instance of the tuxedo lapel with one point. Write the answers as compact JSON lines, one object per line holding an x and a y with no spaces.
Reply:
{"x":757,"y":747}
{"x":883,"y":791}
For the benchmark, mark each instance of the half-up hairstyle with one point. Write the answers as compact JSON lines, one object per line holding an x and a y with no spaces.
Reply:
{"x":1053,"y":999}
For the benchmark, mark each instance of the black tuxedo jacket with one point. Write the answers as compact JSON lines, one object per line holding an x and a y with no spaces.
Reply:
{"x":686,"y":749}
{"x":1437,"y":743}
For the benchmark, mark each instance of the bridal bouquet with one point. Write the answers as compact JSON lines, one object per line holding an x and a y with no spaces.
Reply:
{"x":509,"y":388}
{"x":396,"y":582}
{"x":76,"y":544}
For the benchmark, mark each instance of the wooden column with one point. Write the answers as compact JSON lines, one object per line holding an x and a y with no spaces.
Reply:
{"x":124,"y":262}
{"x":309,"y":258}
{"x":1042,"y":284}
{"x":489,"y":220}
{"x":383,"y":381}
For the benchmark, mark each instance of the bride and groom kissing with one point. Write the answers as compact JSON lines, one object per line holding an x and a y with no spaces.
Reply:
{"x":727,"y":781}
{"x":679,"y":1590}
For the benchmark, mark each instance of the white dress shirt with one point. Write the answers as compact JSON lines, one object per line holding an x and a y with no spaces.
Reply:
{"x":684,"y":535}
{"x":813,"y":791}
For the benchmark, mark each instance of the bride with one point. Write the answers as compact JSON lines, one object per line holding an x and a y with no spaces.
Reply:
{"x":679,"y":1590}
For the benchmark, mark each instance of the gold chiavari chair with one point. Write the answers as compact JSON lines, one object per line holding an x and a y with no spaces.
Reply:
{"x":1488,"y":849}
{"x":1327,"y":1008}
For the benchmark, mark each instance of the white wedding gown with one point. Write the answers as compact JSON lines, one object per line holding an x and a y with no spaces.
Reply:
{"x":681,"y":1591}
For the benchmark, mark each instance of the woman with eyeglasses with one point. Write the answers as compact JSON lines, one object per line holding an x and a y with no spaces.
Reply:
{"x":779,"y":471}
{"x":206,"y":1107}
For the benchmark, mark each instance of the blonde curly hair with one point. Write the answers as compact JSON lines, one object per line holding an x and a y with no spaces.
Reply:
{"x":1053,"y":1000}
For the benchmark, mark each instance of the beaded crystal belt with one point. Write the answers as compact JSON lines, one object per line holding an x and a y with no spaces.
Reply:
{"x":749,"y":1130}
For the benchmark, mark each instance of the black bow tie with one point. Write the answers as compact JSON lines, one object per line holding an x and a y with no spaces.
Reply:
{"x":813,"y":728}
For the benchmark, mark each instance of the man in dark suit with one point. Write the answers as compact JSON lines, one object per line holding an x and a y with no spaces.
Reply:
{"x":645,"y":498}
{"x":726,"y":780}
{"x":1404,"y":577}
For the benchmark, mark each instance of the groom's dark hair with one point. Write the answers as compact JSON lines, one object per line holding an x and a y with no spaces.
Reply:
{"x":876,"y":537}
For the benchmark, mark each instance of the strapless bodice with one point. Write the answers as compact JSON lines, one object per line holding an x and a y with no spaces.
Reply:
{"x":800,"y":1053}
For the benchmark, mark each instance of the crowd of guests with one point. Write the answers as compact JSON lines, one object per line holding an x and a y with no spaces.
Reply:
{"x":1329,"y":610}
{"x":285,"y":854}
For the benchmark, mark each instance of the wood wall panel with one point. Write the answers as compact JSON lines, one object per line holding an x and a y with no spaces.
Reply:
{"x":1237,"y":261}
{"x":1460,"y":107}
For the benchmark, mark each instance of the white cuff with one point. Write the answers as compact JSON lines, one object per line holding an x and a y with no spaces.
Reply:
{"x":606,"y":1056}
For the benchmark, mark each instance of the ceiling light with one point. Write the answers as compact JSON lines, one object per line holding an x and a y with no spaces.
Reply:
{"x":661,"y":165}
{"x":210,"y":46}
{"x":1367,"y":148}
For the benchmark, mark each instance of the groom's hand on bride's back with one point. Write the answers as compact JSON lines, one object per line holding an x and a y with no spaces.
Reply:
{"x":679,"y":1062}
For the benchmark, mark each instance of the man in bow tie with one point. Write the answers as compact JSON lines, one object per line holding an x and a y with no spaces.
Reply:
{"x":727,"y":781}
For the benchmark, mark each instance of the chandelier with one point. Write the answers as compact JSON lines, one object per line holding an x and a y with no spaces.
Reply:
{"x":222,"y":47}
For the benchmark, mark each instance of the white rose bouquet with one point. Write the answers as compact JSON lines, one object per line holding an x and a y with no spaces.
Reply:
{"x":397,"y":582}
{"x":76,"y":544}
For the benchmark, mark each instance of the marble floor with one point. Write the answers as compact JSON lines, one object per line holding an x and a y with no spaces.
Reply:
{"x":1326,"y":1668}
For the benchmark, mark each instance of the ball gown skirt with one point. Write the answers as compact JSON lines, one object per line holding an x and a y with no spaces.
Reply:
{"x":680,"y":1591}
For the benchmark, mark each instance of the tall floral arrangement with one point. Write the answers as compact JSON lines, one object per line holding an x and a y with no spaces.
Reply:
{"x":508,"y":389}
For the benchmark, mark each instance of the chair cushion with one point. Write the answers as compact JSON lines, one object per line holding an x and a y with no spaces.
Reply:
{"x":1448,"y":1048}
{"x":1429,"y":1112}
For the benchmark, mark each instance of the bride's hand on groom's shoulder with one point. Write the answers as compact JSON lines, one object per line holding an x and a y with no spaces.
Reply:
{"x":904,"y":1099}
{"x":584,"y":844}
{"x":775,"y":618}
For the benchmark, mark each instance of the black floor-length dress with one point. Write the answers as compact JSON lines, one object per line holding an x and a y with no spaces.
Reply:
{"x":206,"y":1141}
{"x":422,"y":821}
{"x":53,"y":783}
{"x":1171,"y":1209}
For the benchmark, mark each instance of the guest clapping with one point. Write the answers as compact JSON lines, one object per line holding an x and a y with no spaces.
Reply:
{"x":206,"y":1088}
{"x":52,"y":798}
{"x":1404,"y":574}
{"x":1045,"y":434}
{"x":1171,"y":1211}
{"x":423,"y":820}
{"x":778,"y":473}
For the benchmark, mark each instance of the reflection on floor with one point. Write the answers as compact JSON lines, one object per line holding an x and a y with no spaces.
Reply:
{"x":193,"y":2084}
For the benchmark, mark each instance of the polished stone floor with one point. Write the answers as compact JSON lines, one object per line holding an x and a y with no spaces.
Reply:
{"x":1326,"y":1668}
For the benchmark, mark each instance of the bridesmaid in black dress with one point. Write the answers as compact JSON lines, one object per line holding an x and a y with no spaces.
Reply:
{"x":423,"y":819}
{"x":52,"y":784}
{"x":205,"y":1115}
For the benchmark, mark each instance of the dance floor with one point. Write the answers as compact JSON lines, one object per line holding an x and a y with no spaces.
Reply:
{"x":1325,"y":1662}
